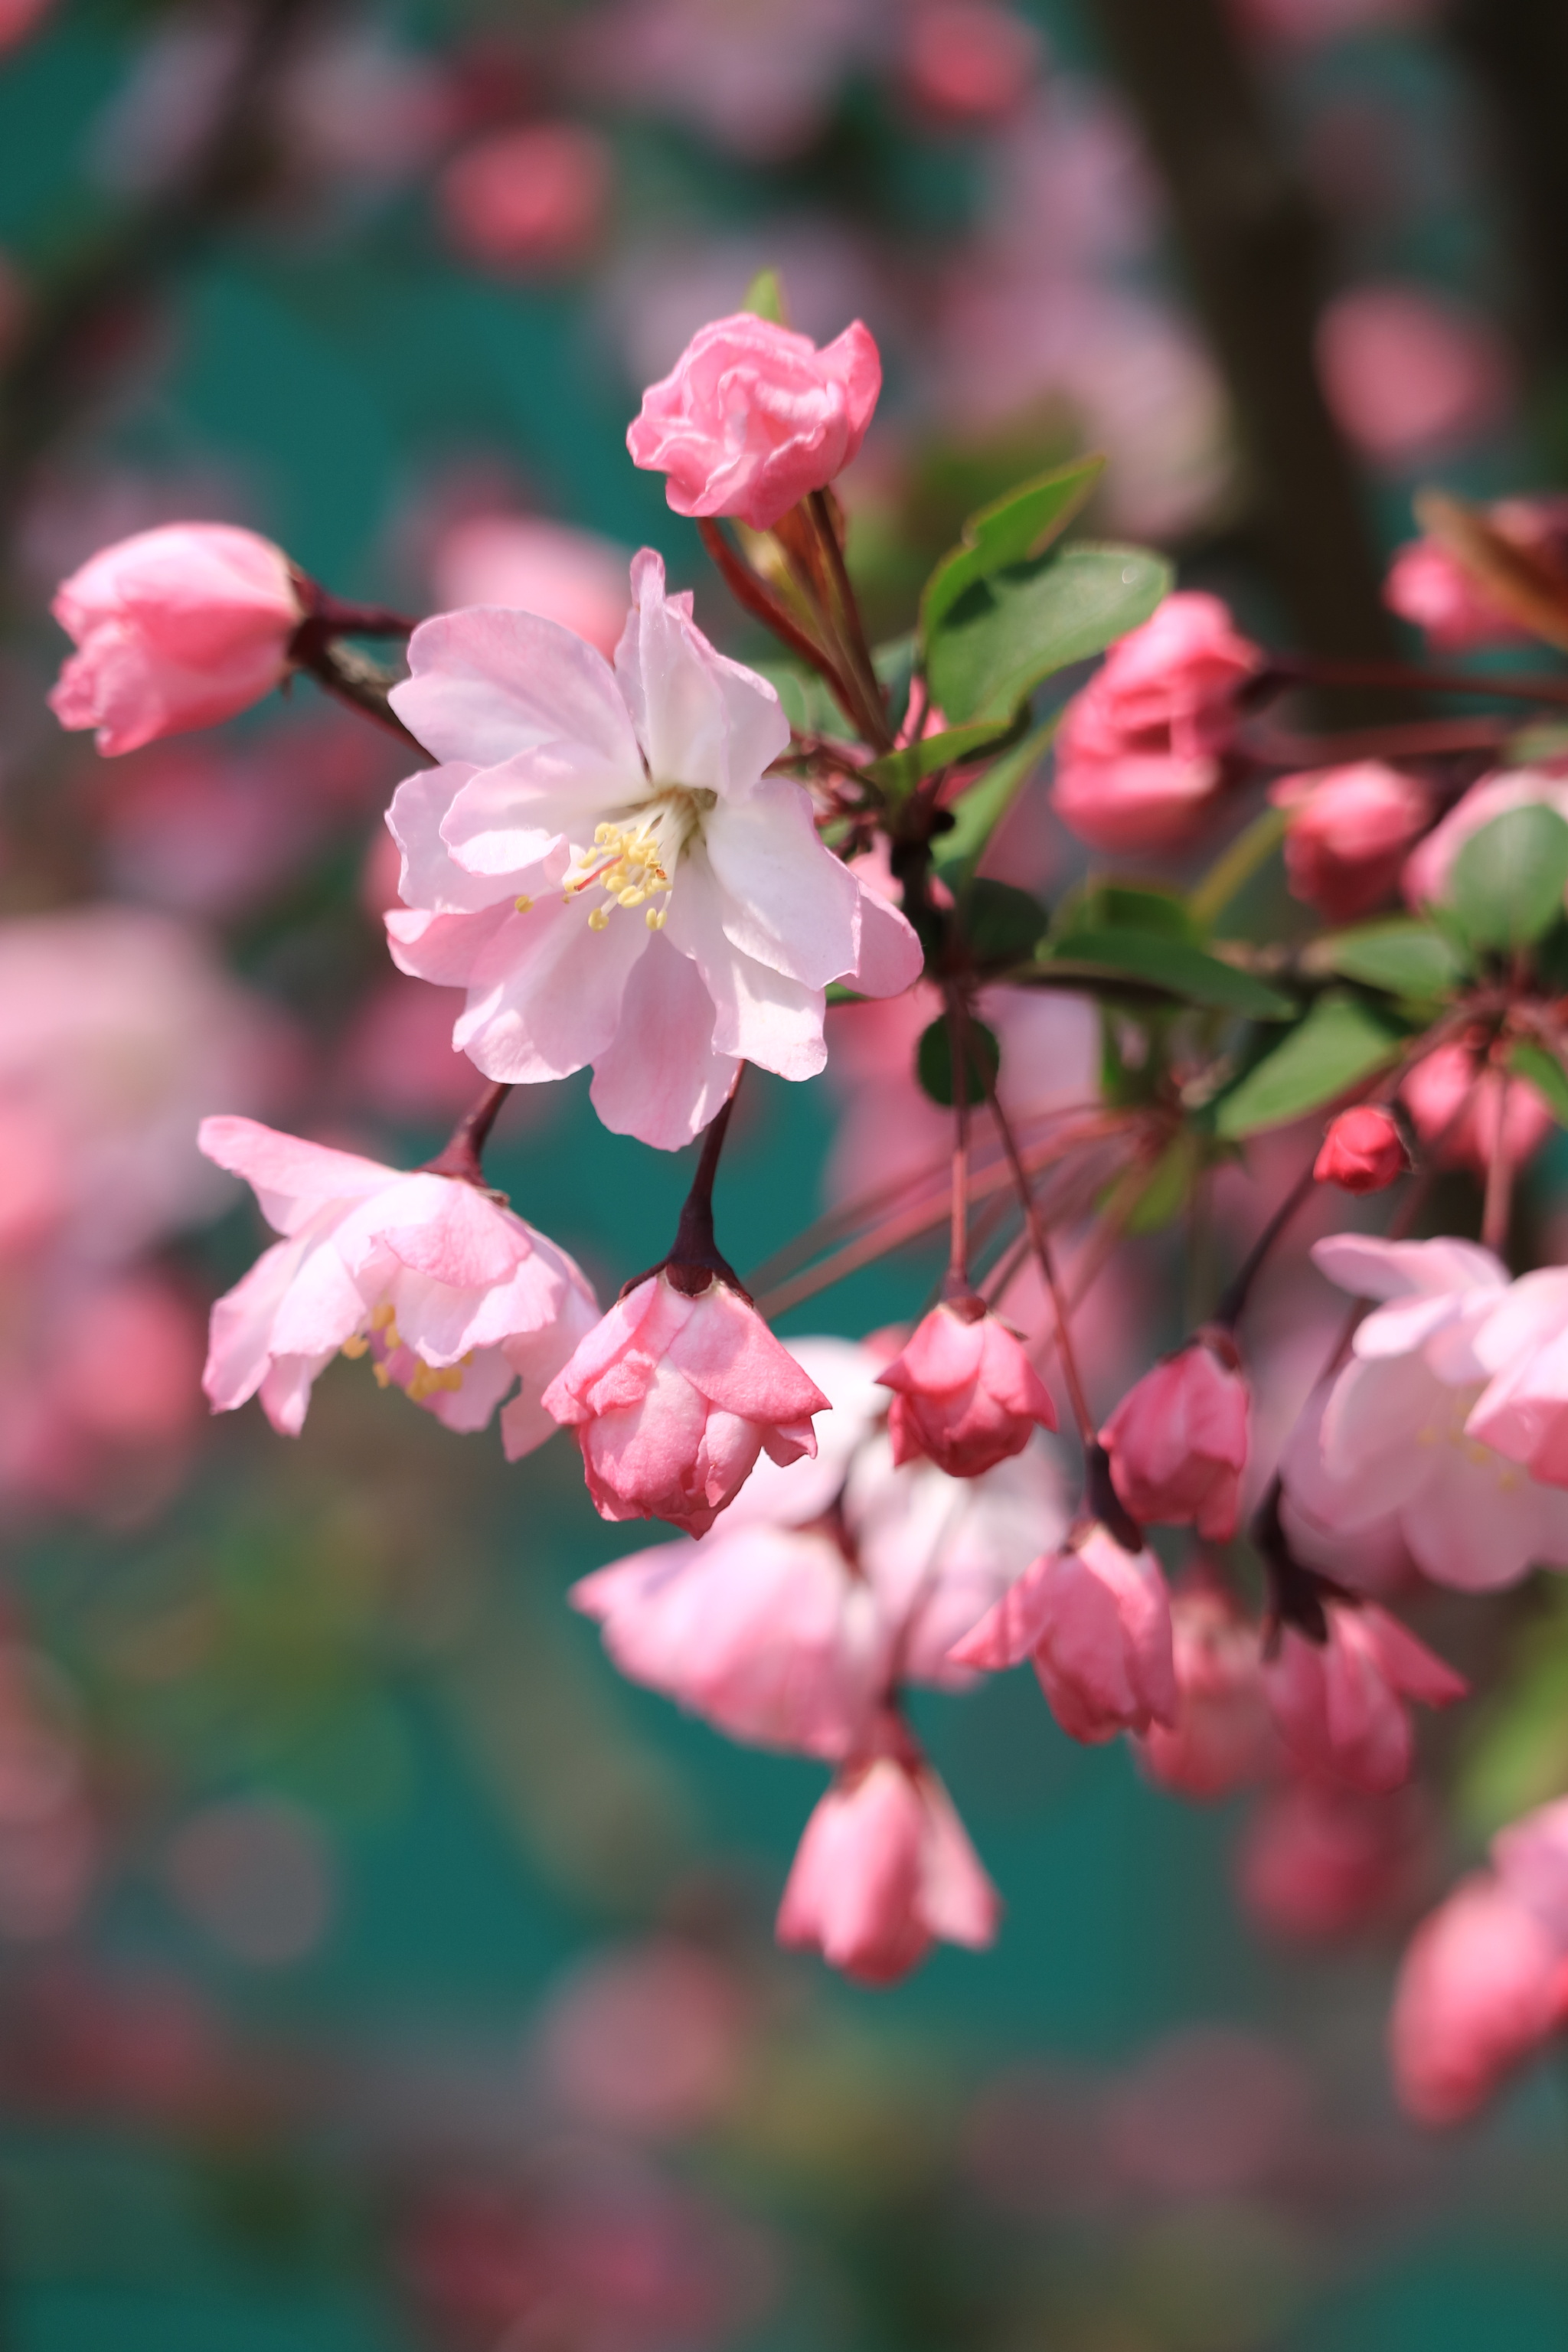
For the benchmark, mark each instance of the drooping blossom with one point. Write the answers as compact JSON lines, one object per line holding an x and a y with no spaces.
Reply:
{"x":1429,"y":871}
{"x":1348,"y":834}
{"x":1522,"y":1411}
{"x":1178,"y":1441}
{"x":965,"y":1394}
{"x":752,"y":417}
{"x":605,"y":868}
{"x":1319,"y":1861}
{"x":1484,"y":1983}
{"x":1391,"y":1442}
{"x":1461,"y":1109}
{"x":1095,"y":1622}
{"x":1427,"y":584}
{"x":529,"y":199}
{"x":534,"y":565}
{"x":1140,"y":753}
{"x":968,"y":63}
{"x":673,"y":1396}
{"x":450,"y":1293}
{"x":1223,"y":1735}
{"x":1339,"y":1703}
{"x":1363,"y":1150}
{"x":1410,"y":376}
{"x":885,"y":1869}
{"x":175,"y":628}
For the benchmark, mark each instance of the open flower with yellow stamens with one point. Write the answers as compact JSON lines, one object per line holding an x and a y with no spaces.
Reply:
{"x":602,"y":863}
{"x":449,"y":1294}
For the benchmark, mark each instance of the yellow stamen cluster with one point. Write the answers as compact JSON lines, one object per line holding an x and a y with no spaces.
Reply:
{"x":424,"y":1380}
{"x":629,"y":867}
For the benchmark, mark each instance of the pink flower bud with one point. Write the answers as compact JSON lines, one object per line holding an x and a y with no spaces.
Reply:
{"x":1459,"y":1111}
{"x":674,"y":1396}
{"x":885,"y":1869}
{"x":1362,"y":1151}
{"x":1429,"y":586}
{"x":1319,"y":1862}
{"x":966,"y":1394}
{"x":753,"y":417}
{"x":1096,"y":1622}
{"x":175,"y":628}
{"x":1223,"y":1737}
{"x":1139,"y":751}
{"x":1178,"y":1441}
{"x":1350,"y":829}
{"x":1339,"y":1703}
{"x":1483,"y":1984}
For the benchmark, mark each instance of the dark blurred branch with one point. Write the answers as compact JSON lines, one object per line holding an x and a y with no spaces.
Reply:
{"x":351,"y":676}
{"x":1255,"y":259}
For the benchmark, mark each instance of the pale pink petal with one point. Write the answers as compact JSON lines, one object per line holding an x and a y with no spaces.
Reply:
{"x":785,"y":901}
{"x":1370,"y":1268}
{"x":703,"y":722}
{"x":241,"y":1336}
{"x":545,"y":992}
{"x":444,"y":949}
{"x":660,"y":1079}
{"x":507,"y":819}
{"x":429,"y":877}
{"x":291,"y":1178}
{"x":892,"y":958}
{"x":487,"y":683}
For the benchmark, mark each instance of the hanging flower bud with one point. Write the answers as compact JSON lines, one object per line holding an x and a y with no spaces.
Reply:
{"x":1349,"y":830}
{"x":1095,"y":1620}
{"x":966,"y":1395}
{"x":1362,"y":1151}
{"x":1223,"y":1737}
{"x":1178,"y":1441}
{"x":175,"y":628}
{"x":1339,"y":1701}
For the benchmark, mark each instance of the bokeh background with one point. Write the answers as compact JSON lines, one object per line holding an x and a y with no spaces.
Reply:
{"x":377,"y":1971}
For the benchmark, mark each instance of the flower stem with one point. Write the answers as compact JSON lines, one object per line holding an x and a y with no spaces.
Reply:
{"x":1234,"y":866}
{"x":1407,"y":678}
{"x":1496,"y":1209}
{"x":349,"y":677}
{"x":460,"y":1156}
{"x":758,"y":599}
{"x":958,"y":1285}
{"x":695,"y":1257}
{"x":1233,"y":1299}
{"x":852,"y":627}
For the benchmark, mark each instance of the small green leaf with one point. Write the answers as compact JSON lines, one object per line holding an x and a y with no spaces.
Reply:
{"x":975,"y":817}
{"x":898,"y":772}
{"x":1010,"y":630}
{"x":1404,"y":958}
{"x":1168,"y":1186}
{"x":765,"y":298}
{"x":1545,"y":1073}
{"x":1003,"y":925}
{"x":1010,"y":530}
{"x":1509,"y":878}
{"x":1340,"y":1041}
{"x":1174,"y":965}
{"x":933,"y":1061}
{"x":1100,"y":906}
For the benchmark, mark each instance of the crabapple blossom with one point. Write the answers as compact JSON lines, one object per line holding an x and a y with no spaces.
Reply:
{"x":885,"y":1869}
{"x":1410,"y":377}
{"x":1139,"y":752}
{"x":1392,"y":1443}
{"x":1339,"y":1702}
{"x":1363,"y":1150}
{"x":1349,"y":830}
{"x":1178,"y":1441}
{"x":716,"y":917}
{"x":1095,"y":1620}
{"x":752,"y":417}
{"x":674,"y":1395}
{"x":1223,"y":1737}
{"x":965,"y":1394}
{"x":1429,"y":586}
{"x":175,"y":628}
{"x":450,"y":1293}
{"x":1522,"y":1411}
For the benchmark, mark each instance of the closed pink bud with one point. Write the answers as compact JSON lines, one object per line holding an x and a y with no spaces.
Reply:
{"x":1362,"y":1151}
{"x":1483,"y":1984}
{"x":1460,"y":1110}
{"x":1096,"y":1622}
{"x":753,"y":417}
{"x":966,"y":1395}
{"x":1350,"y":831}
{"x":1139,"y":752}
{"x":1223,"y":1737}
{"x":1178,"y":1441}
{"x":1319,"y":1862}
{"x":1341,"y":1703}
{"x":885,"y":1869}
{"x":673,"y":1397}
{"x":1429,"y":586}
{"x":175,"y":628}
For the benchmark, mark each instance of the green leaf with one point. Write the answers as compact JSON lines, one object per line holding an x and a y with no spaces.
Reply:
{"x":807,"y":704}
{"x":1404,"y":958}
{"x":1100,"y":906}
{"x":765,"y":298}
{"x":1180,"y":969}
{"x":898,"y":772}
{"x":1509,"y":878}
{"x":1003,"y":925}
{"x":1007,"y":632}
{"x":1340,"y":1041}
{"x":933,"y":1061}
{"x":975,"y":817}
{"x":1545,"y":1073}
{"x":1169,"y":1187}
{"x":1011,"y":530}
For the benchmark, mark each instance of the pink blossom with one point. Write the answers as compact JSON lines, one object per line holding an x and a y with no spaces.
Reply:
{"x":1460,"y":1110}
{"x":1363,"y":1150}
{"x":1429,"y":585}
{"x":532,"y":565}
{"x":1484,"y":1983}
{"x":450,"y":1293}
{"x":1339,"y":1701}
{"x":1348,"y":831}
{"x":674,"y":1395}
{"x":1139,"y":752}
{"x":1096,"y":1622}
{"x":717,"y":916}
{"x":1410,"y":376}
{"x":1428,"y":871}
{"x":175,"y":628}
{"x":965,"y":1394}
{"x":646,"y":2039}
{"x":1319,"y":1861}
{"x":1178,"y":1441}
{"x":1522,"y":1411}
{"x":885,"y":1869}
{"x":761,"y":79}
{"x":532,"y":198}
{"x":968,"y":62}
{"x":752,"y":417}
{"x":1222,"y":1736}
{"x":1391,"y":1442}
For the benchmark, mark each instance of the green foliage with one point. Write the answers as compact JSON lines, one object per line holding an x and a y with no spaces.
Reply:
{"x":1340,"y":1040}
{"x":1402,"y":957}
{"x":975,"y":817}
{"x":1168,"y":1186}
{"x":898,"y":772}
{"x":1509,"y":878}
{"x":807,"y":704}
{"x":1016,"y":626}
{"x":1133,"y":907}
{"x":1171,"y":964}
{"x":1014,"y":529}
{"x":1545,"y":1073}
{"x":1003,"y":925}
{"x":933,"y":1061}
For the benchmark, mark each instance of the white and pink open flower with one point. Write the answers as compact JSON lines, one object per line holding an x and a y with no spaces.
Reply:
{"x":602,"y":863}
{"x":450,"y":1293}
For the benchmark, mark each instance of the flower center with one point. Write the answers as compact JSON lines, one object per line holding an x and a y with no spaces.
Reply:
{"x":393,"y":1363}
{"x":634,"y":859}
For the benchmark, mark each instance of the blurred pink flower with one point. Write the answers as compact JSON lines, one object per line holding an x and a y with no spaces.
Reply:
{"x":1459,"y":1108}
{"x":1429,"y":586}
{"x":1363,"y":1150}
{"x":1095,"y":1621}
{"x":1319,"y":1861}
{"x":1140,"y":751}
{"x":1210,"y":2112}
{"x":450,"y":1293}
{"x":1223,"y":1735}
{"x":1178,"y":1441}
{"x":965,"y":1394}
{"x":1429,"y":871}
{"x":397,"y":1056}
{"x":1339,"y":1703}
{"x":175,"y":628}
{"x":648,"y":2037}
{"x":1410,"y":376}
{"x":19,"y":17}
{"x":532,"y":565}
{"x":528,"y":200}
{"x":1348,"y":832}
{"x":967,"y":63}
{"x":761,"y":79}
{"x":752,"y":417}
